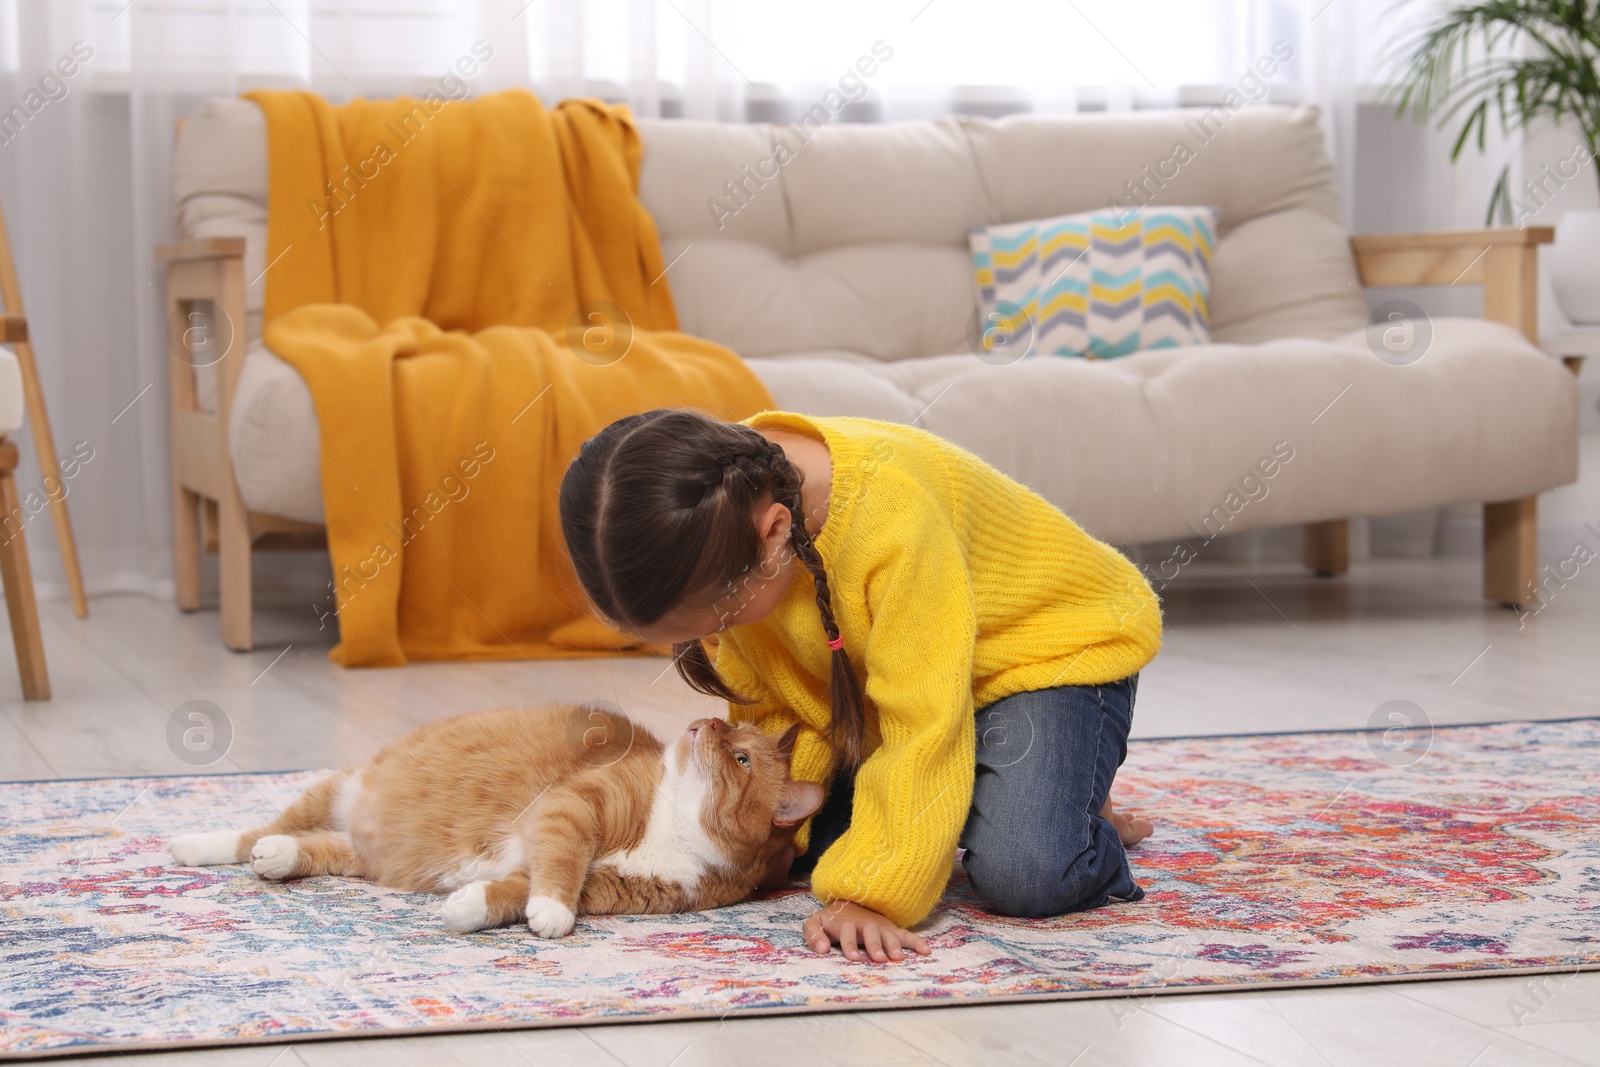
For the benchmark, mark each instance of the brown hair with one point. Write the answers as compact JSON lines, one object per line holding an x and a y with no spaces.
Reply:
{"x":658,"y":511}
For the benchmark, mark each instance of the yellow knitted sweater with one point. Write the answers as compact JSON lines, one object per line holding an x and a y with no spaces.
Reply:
{"x":953,"y":586}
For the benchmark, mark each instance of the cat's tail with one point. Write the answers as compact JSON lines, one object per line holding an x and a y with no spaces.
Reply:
{"x":313,"y":811}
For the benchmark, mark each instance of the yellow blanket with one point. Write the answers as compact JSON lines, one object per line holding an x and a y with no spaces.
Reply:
{"x":470,"y":290}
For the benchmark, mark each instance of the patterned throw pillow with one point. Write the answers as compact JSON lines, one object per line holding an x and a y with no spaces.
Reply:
{"x":1098,"y":284}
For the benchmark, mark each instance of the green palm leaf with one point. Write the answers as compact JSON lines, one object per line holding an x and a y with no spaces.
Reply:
{"x":1522,"y":63}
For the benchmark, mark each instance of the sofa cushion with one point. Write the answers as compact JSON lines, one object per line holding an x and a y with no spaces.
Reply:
{"x":898,"y":184}
{"x":273,"y":435}
{"x":871,"y":256}
{"x":1149,"y":447}
{"x":1283,"y":266}
{"x":1155,"y":446}
{"x":1101,"y":284}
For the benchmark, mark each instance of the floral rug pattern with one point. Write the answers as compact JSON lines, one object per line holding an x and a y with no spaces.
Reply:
{"x":1277,"y":859}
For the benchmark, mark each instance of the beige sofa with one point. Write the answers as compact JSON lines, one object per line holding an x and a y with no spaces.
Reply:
{"x":842,"y":275}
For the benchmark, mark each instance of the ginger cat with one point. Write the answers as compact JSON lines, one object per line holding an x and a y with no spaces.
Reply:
{"x":542,"y":814}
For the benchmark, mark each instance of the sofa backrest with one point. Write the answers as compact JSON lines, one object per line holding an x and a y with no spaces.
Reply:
{"x":853,"y":238}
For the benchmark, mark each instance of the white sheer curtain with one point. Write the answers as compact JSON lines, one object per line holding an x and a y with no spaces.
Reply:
{"x":85,"y":157}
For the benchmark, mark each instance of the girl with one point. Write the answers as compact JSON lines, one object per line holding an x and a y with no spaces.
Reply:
{"x":810,"y":545}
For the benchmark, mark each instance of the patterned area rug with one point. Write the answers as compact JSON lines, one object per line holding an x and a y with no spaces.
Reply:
{"x":1278,"y":860}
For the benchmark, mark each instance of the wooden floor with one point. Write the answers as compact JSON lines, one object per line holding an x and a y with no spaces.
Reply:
{"x":1263,"y":649}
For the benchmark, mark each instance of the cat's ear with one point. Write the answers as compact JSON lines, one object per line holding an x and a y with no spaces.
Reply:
{"x":786,"y":742}
{"x":799,"y":802}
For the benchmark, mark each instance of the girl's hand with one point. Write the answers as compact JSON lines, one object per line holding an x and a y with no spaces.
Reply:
{"x":845,"y":922}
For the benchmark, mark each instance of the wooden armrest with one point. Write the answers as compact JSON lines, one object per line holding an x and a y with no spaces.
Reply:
{"x":1502,"y":259}
{"x":204,"y":248}
{"x":1448,"y":257}
{"x":1475,"y":239}
{"x":13,"y":329}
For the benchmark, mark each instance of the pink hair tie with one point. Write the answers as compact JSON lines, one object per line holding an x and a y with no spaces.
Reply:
{"x":836,"y":643}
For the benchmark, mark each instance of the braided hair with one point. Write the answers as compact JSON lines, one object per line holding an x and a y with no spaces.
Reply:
{"x":658,"y":513}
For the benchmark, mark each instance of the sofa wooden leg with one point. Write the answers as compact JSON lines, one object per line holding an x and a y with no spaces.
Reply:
{"x":1511,"y":551}
{"x":186,"y":548}
{"x":18,"y":579}
{"x":1327,"y":547}
{"x":233,"y":565}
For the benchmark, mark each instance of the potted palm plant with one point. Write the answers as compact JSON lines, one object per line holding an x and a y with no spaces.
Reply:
{"x":1524,"y":64}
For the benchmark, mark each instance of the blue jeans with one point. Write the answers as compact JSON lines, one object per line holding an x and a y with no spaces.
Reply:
{"x":1036,"y":844}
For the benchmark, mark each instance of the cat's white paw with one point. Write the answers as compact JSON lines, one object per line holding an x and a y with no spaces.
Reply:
{"x":467,"y":909}
{"x":274,"y":856}
{"x":205,"y":850}
{"x":548,"y":917}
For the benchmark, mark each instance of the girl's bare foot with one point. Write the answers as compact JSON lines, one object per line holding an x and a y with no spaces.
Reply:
{"x":1130,"y":829}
